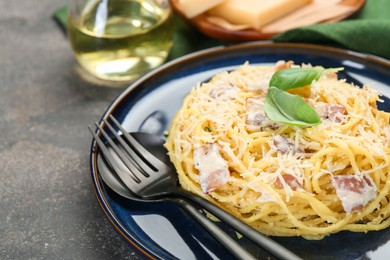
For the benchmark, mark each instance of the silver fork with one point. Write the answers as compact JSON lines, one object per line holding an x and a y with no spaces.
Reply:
{"x":150,"y":178}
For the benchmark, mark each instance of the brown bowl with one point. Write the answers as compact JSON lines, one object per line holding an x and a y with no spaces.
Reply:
{"x":214,"y":31}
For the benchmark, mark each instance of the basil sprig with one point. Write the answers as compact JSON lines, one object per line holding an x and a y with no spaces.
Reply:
{"x":296,"y":77}
{"x":290,"y":109}
{"x":287,"y":108}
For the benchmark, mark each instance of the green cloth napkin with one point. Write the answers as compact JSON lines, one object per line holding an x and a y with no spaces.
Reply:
{"x":368,"y":31}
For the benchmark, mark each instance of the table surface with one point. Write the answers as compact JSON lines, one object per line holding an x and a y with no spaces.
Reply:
{"x":48,"y":209}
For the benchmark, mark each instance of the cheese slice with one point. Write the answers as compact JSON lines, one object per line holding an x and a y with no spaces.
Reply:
{"x":316,"y":12}
{"x":192,"y":8}
{"x":255,"y":13}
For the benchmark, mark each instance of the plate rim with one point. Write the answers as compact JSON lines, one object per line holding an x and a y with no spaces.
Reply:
{"x":97,"y":185}
{"x":260,"y":44}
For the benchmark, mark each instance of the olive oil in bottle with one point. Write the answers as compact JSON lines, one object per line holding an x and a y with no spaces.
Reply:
{"x":121,"y":39}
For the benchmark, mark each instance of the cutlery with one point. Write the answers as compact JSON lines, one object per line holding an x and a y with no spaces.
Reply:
{"x":151,"y":178}
{"x":113,"y":181}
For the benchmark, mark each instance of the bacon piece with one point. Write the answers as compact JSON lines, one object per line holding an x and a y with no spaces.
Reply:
{"x":354,"y":191}
{"x":285,"y":145}
{"x":225,"y":91}
{"x":281,"y":65}
{"x":213,"y":169}
{"x":330,"y":112}
{"x":329,"y":74}
{"x":256,"y":119}
{"x":290,"y":180}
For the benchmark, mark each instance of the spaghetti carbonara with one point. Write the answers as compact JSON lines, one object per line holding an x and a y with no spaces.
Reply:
{"x":286,"y":180}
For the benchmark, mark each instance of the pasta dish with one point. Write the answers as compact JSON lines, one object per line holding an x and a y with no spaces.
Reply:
{"x":307,"y":161}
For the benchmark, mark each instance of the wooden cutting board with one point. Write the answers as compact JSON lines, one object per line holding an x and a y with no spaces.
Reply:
{"x":320,"y":11}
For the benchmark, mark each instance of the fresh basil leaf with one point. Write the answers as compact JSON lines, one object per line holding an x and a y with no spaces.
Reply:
{"x":272,"y":111}
{"x":294,"y":77}
{"x":290,"y":109}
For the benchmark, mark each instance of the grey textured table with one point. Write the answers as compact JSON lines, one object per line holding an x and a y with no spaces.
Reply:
{"x":48,"y":209}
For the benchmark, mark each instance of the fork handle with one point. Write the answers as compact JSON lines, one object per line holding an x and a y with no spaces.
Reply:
{"x":244,"y":229}
{"x":229,"y":243}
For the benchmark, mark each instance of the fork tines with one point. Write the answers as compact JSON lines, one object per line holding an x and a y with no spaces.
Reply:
{"x":125,"y":149}
{"x":114,"y":156}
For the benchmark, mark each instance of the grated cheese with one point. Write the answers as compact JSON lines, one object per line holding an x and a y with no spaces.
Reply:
{"x":281,"y":176}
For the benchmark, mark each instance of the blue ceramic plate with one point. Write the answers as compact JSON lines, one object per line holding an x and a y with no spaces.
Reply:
{"x":164,"y":231}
